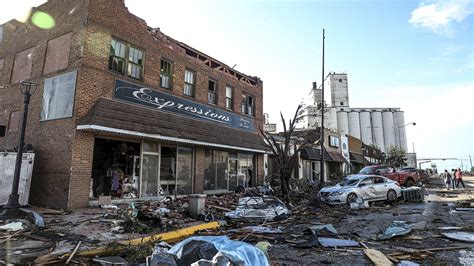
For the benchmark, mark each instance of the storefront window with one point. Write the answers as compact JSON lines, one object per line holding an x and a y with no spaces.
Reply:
{"x":221,"y":159}
{"x":185,"y":171}
{"x":233,"y":173}
{"x":150,"y":175}
{"x":307,"y":169}
{"x":246,"y":175}
{"x":209,"y":171}
{"x":168,"y":170}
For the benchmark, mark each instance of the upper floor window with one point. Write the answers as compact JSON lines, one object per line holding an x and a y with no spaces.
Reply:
{"x":212,"y":92}
{"x":189,"y":82}
{"x":123,"y":57}
{"x":229,"y":97}
{"x":14,"y":123}
{"x":166,"y":72}
{"x":333,"y":141}
{"x":247,"y":105}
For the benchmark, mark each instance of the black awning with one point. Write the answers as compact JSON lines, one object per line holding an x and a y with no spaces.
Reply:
{"x":314,"y":154}
{"x":357,"y":158}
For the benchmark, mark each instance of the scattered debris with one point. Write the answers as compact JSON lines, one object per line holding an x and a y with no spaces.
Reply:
{"x":377,"y":257}
{"x":336,"y":242}
{"x":359,"y":204}
{"x":212,"y":249}
{"x":73,"y":252}
{"x":465,"y":209}
{"x":450,"y":228}
{"x":397,"y":228}
{"x":460,"y":236}
{"x":407,"y":263}
{"x":15,"y":226}
{"x":322,"y":230}
{"x":106,"y":261}
{"x":257,"y":229}
{"x":418,"y":226}
{"x":413,"y":194}
{"x":266,"y":208}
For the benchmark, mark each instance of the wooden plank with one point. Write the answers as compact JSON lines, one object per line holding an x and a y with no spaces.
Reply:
{"x":377,"y":257}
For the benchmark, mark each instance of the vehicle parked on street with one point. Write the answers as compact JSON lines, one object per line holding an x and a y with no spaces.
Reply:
{"x":366,"y":187}
{"x":404,"y":178}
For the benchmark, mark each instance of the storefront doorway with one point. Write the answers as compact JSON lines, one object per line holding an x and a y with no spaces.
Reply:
{"x":115,"y":169}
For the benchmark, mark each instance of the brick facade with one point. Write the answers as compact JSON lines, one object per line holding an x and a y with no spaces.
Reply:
{"x":62,"y":175}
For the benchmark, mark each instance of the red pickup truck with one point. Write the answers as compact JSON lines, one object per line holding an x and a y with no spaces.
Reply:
{"x":404,"y":178}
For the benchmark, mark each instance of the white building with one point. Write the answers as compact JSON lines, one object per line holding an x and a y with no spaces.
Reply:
{"x":382,"y":127}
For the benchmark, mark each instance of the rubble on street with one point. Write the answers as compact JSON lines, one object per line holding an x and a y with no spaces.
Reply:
{"x":266,"y":230}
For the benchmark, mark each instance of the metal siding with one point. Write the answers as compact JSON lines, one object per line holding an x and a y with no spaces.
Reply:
{"x":377,"y":130}
{"x":400,"y":133}
{"x":343,"y":122}
{"x":354,"y":126}
{"x":365,"y":127}
{"x":388,"y":129}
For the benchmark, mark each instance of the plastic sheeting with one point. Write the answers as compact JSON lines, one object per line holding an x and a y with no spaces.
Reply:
{"x":236,"y":252}
{"x":266,"y":208}
{"x":397,"y":228}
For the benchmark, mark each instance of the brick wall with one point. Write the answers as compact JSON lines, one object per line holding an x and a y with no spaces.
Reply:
{"x":61,"y":176}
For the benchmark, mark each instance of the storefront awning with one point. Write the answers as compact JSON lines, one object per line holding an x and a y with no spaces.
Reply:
{"x":119,"y":118}
{"x":314,"y":154}
{"x":336,"y":157}
{"x":356,"y":158}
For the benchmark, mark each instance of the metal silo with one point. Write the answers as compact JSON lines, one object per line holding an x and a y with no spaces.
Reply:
{"x":388,"y":129}
{"x":343,"y":122}
{"x":354,"y":126}
{"x":365,"y":127}
{"x":377,"y":129}
{"x":400,"y":133}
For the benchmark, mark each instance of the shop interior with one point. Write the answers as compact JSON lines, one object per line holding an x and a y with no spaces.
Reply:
{"x":115,"y":169}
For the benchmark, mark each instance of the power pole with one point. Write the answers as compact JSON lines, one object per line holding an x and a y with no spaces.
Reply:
{"x":321,"y":137}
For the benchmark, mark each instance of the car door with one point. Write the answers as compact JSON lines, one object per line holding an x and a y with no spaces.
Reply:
{"x":380,"y":186}
{"x":367,"y":189}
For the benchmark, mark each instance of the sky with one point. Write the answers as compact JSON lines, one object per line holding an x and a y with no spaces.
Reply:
{"x":414,"y":54}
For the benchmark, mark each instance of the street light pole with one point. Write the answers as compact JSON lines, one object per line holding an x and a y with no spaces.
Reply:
{"x":27,"y":88}
{"x":400,"y":133}
{"x":321,"y":139}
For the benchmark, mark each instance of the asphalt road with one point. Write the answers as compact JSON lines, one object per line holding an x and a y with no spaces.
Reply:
{"x":438,"y":210}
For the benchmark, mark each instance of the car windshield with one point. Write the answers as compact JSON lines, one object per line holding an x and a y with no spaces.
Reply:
{"x":350,"y":182}
{"x":367,"y":170}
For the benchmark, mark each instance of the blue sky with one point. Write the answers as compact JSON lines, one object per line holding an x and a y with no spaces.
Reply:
{"x":417,"y":55}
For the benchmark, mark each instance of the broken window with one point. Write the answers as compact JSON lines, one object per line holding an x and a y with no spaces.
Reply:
{"x":124,"y":56}
{"x":342,"y":103}
{"x":247,"y":105}
{"x":189,"y":82}
{"x":340,"y":80}
{"x":22,"y":65}
{"x":58,"y":96}
{"x":212,"y":92}
{"x":57,"y":53}
{"x":14,"y":121}
{"x":229,"y":97}
{"x":166,"y":72}
{"x":135,"y":63}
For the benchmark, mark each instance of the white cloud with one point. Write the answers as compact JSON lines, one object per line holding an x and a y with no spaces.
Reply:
{"x":439,"y":15}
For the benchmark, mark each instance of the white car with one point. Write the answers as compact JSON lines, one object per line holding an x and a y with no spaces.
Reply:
{"x":365,"y":187}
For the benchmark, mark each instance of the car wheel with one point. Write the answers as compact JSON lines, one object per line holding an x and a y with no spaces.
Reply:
{"x":391,"y":195}
{"x":351,"y":198}
{"x":410,"y":183}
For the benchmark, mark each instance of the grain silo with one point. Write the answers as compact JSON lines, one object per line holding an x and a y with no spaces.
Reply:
{"x":365,"y":127}
{"x":400,"y":133}
{"x":343,"y":122}
{"x":354,"y":126}
{"x":388,"y":129}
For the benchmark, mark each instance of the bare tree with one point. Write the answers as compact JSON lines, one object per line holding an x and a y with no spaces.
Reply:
{"x":286,"y":146}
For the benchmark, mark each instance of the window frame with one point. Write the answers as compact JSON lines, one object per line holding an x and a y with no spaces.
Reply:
{"x":126,"y":59}
{"x":193,"y":85}
{"x":247,"y":105}
{"x":231,"y":98}
{"x":215,"y":102}
{"x":170,"y":75}
{"x":10,"y":121}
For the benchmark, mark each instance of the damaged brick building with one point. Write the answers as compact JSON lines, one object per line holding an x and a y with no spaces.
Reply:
{"x":123,"y":110}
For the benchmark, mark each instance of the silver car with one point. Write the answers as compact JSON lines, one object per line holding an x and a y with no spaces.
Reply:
{"x":365,"y":187}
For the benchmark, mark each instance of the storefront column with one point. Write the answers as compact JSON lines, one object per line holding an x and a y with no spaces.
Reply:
{"x":199,"y":170}
{"x":81,"y":169}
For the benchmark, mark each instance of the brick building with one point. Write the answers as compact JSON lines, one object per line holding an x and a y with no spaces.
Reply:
{"x":122,"y":109}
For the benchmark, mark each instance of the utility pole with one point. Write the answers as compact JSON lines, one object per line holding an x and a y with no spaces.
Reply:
{"x":470,"y":160}
{"x":321,"y":137}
